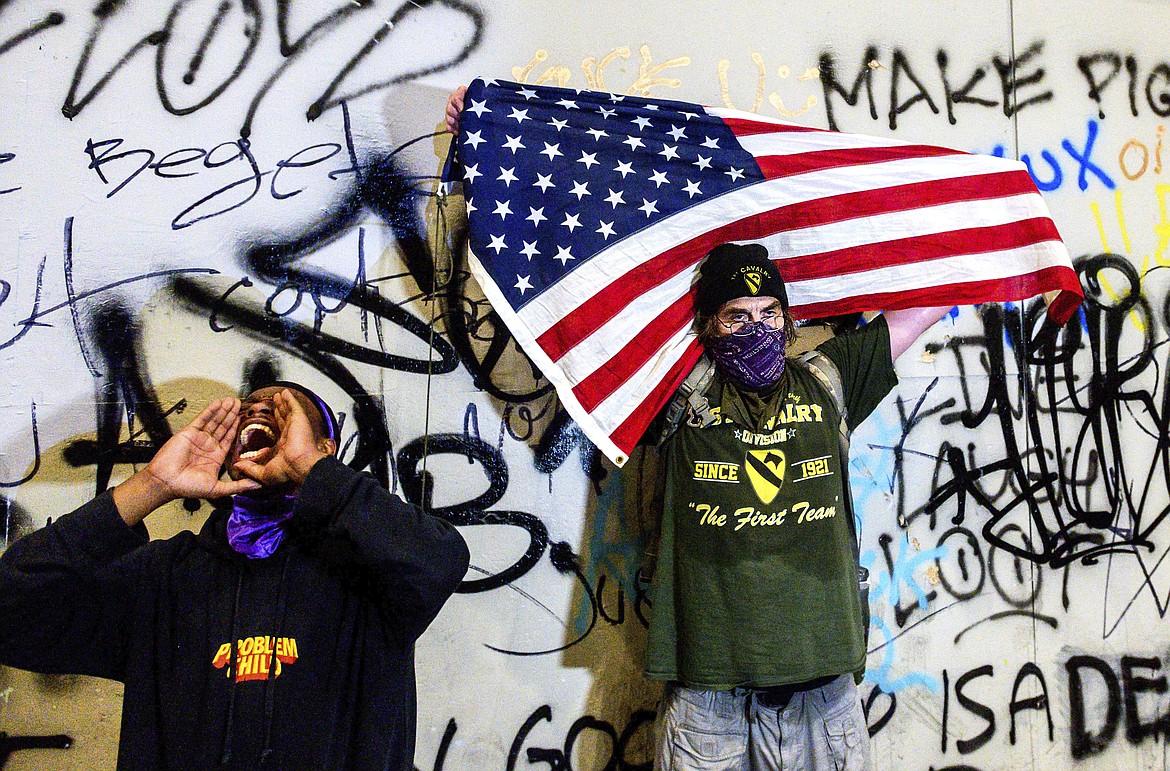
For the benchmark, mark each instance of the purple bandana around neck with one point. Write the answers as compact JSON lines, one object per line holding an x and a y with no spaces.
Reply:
{"x":754,"y":360}
{"x":255,"y":527}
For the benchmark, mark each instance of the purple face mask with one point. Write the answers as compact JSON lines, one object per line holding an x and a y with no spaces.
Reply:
{"x":754,"y":358}
{"x":256,"y":526}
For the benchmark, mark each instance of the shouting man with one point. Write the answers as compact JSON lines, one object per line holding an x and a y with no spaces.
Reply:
{"x":281,"y":636}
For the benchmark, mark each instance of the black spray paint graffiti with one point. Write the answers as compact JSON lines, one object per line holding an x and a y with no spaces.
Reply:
{"x":1093,"y":683}
{"x":560,"y":759}
{"x":1029,"y":693}
{"x":8,"y":158}
{"x":188,"y":162}
{"x":231,"y":157}
{"x":1102,"y":696}
{"x":122,"y":389}
{"x":108,"y":336}
{"x":1102,"y":68}
{"x":229,"y":32}
{"x":1003,"y":83}
{"x":641,"y":722}
{"x":113,"y":365}
{"x":380,"y":187}
{"x":1018,"y":84}
{"x":1076,"y":394}
{"x":50,"y":20}
{"x":13,"y":744}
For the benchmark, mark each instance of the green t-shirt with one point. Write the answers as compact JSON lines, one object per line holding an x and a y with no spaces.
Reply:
{"x":757,"y":577}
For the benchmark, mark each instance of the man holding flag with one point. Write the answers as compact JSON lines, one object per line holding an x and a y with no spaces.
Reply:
{"x":744,"y":223}
{"x":758,"y":625}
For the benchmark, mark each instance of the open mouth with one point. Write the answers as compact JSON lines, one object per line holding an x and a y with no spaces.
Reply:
{"x":255,"y":441}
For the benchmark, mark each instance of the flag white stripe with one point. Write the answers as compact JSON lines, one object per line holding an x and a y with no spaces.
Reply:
{"x":797,"y":142}
{"x":548,"y":368}
{"x":945,"y":270}
{"x":615,"y":262}
{"x":929,"y":220}
{"x":618,"y":406}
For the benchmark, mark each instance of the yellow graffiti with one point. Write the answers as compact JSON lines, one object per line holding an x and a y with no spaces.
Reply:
{"x":1148,"y":261}
{"x":648,"y":73}
{"x":595,"y":71}
{"x":1102,"y":279}
{"x":1121,"y":221}
{"x":555,"y":73}
{"x":774,"y":99}
{"x":1162,"y":227}
{"x":810,"y":73}
{"x":721,"y":70}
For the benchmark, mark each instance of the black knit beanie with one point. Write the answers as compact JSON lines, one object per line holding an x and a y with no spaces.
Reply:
{"x":731,"y":271}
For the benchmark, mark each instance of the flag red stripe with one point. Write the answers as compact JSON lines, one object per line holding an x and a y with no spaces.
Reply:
{"x":627,"y":435}
{"x":745,"y":127}
{"x":923,"y":248}
{"x":777,"y":166}
{"x":609,"y":376}
{"x":596,"y":310}
{"x":597,"y":387}
{"x":1005,"y":289}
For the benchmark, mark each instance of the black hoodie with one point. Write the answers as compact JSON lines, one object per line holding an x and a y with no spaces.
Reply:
{"x":336,"y":610}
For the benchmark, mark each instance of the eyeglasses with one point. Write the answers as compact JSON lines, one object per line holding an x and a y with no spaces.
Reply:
{"x":739,"y":324}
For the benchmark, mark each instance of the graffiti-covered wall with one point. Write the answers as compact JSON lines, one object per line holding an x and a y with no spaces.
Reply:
{"x":201,"y":194}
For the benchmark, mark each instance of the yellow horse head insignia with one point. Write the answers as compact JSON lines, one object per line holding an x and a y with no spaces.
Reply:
{"x":753,"y":279}
{"x":765,"y":469}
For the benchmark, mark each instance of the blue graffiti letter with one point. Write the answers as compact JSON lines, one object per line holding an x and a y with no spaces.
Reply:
{"x":1083,"y":160}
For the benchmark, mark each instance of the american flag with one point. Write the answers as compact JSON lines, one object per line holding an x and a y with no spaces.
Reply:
{"x":589,"y":212}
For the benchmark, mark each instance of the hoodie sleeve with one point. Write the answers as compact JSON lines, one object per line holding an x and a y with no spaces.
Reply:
{"x":414,"y":561}
{"x":67,"y":592}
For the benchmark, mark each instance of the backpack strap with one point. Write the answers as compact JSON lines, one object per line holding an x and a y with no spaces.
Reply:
{"x":690,"y":401}
{"x":825,"y":371}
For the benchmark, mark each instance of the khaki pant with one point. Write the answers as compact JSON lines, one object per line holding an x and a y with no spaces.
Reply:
{"x":702,"y":730}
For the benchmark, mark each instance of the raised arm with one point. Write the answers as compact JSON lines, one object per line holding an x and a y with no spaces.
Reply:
{"x":907,"y":325}
{"x":68,"y":590}
{"x":410,"y":561}
{"x":187,"y":466}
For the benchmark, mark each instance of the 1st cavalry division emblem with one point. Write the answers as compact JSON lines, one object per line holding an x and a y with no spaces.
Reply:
{"x":753,"y":279}
{"x":765,"y":469}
